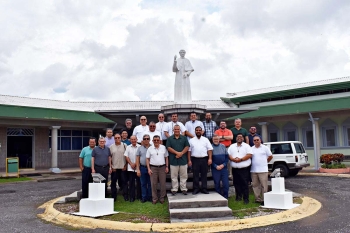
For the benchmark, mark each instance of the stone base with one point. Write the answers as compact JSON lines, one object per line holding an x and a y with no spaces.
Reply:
{"x":96,"y":208}
{"x":282,"y":201}
{"x":183,"y":110}
{"x":55,"y":170}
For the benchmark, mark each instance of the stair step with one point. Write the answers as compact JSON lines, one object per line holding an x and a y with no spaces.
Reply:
{"x":206,"y":212}
{"x":199,"y":200}
{"x":189,"y":185}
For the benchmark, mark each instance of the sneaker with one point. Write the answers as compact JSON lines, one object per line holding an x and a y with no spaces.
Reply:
{"x":184,"y":192}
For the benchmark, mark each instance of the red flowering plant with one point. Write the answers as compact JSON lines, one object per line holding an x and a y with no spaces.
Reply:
{"x":332,"y":161}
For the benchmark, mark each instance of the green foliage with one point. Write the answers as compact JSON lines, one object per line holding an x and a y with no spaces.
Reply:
{"x":239,"y":205}
{"x":333,"y":165}
{"x":329,"y":158}
{"x":13,"y":179}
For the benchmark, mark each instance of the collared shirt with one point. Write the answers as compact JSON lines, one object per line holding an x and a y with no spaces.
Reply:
{"x":191,"y":125}
{"x":235,"y":131}
{"x":160,"y":126}
{"x":251,"y":139}
{"x":126,"y":141}
{"x":225,"y":132}
{"x":259,"y":158}
{"x":157,"y":155}
{"x":177,"y":144}
{"x":101,"y":155}
{"x":151,"y":135}
{"x":131,"y":153}
{"x":85,"y":154}
{"x":117,"y":152}
{"x":109,"y":141}
{"x":138,"y":132}
{"x":129,"y":131}
{"x":170,"y":126}
{"x":141,"y":152}
{"x":235,"y":151}
{"x":209,"y":128}
{"x":199,"y":147}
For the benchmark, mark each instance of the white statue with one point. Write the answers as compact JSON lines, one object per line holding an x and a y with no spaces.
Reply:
{"x":183,"y":68}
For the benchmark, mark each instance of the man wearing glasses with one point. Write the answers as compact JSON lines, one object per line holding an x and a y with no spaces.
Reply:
{"x":157,"y":165}
{"x":140,"y":129}
{"x":101,"y":161}
{"x":252,"y":134}
{"x":259,"y":171}
{"x":141,"y":168}
{"x":160,"y":126}
{"x":119,"y":166}
{"x":152,"y":131}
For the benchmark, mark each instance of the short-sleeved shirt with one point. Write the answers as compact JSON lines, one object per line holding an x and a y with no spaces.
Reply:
{"x":240,"y":151}
{"x":259,"y":158}
{"x":170,"y":126}
{"x":131,"y":153}
{"x":109,"y":141}
{"x":160,"y":126}
{"x":209,"y":128}
{"x":117,"y":152}
{"x":191,"y":126}
{"x":177,"y":144}
{"x":157,"y":155}
{"x":251,"y":139}
{"x":225,"y":132}
{"x":85,"y":154}
{"x":199,"y":147}
{"x":138,"y":132}
{"x":151,"y":135}
{"x":129,"y":131}
{"x":101,"y":155}
{"x":235,"y":131}
{"x":141,"y":152}
{"x":127,"y":142}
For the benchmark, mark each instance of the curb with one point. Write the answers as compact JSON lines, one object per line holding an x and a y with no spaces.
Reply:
{"x":309,"y":207}
{"x":324,"y":174}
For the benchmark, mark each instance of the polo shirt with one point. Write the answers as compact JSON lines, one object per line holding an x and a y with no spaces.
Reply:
{"x":85,"y":154}
{"x":101,"y":155}
{"x":235,"y":131}
{"x":177,"y":144}
{"x":170,"y":126}
{"x":199,"y":147}
{"x":138,"y":132}
{"x":117,"y":152}
{"x":224,"y":132}
{"x":141,"y":152}
{"x":251,"y":139}
{"x":259,"y":158}
{"x":191,"y":125}
{"x":239,"y":152}
{"x":109,"y":141}
{"x":131,"y":153}
{"x":160,"y":126}
{"x":151,"y":135}
{"x":157,"y":155}
{"x":126,"y":141}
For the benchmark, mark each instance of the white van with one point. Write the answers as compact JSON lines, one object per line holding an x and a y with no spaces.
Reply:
{"x":289,"y":156}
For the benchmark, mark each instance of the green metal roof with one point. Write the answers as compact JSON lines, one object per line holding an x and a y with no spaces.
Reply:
{"x":50,"y":114}
{"x":290,"y":92}
{"x":298,"y":108}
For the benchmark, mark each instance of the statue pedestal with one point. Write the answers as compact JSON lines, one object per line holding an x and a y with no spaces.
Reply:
{"x":278,"y":198}
{"x":183,"y":110}
{"x":96,"y":205}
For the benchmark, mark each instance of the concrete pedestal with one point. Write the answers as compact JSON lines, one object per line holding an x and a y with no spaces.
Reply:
{"x":278,"y":198}
{"x":96,"y":205}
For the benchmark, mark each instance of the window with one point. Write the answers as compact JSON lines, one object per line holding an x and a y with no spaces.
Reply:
{"x":299,"y":148}
{"x":346,"y":132}
{"x":71,"y":139}
{"x":273,"y":137}
{"x":273,"y":132}
{"x":284,"y":148}
{"x":308,"y":136}
{"x":329,"y":133}
{"x":290,"y":132}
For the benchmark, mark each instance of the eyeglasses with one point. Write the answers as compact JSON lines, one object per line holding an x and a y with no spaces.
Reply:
{"x":146,"y":139}
{"x":117,"y":137}
{"x":156,"y":140}
{"x":152,"y":126}
{"x":143,"y":119}
{"x":256,"y":140}
{"x":160,"y":117}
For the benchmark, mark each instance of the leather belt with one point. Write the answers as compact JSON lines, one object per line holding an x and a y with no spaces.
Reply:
{"x":157,"y":165}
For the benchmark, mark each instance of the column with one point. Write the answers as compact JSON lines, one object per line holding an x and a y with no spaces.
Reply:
{"x":54,"y":168}
{"x":264,"y":134}
{"x":318,"y":143}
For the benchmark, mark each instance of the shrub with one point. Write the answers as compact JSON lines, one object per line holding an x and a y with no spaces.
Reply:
{"x":332,"y":161}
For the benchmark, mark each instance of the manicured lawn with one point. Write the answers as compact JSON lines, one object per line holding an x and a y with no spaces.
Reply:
{"x":13,"y":179}
{"x":239,"y":205}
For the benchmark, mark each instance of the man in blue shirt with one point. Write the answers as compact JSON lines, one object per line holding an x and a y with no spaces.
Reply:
{"x":252,"y":134}
{"x":85,"y":166}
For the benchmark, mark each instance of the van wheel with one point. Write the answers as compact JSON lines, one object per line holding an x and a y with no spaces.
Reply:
{"x":284,"y":169}
{"x":293,"y":172}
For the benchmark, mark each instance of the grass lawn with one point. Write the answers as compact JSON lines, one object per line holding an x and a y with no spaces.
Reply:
{"x":13,"y":179}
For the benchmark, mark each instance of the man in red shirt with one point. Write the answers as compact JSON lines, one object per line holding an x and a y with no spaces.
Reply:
{"x":226,"y":137}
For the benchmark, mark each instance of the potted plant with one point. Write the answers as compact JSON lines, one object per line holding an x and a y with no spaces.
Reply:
{"x":332,"y":163}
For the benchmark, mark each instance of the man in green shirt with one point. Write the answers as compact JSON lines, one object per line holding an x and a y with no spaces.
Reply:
{"x":239,"y":130}
{"x":177,"y":146}
{"x":85,"y":166}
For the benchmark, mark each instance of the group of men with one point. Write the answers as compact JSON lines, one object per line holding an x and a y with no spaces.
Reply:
{"x":139,"y":158}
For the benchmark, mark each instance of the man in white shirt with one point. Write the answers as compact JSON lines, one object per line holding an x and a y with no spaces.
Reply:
{"x":109,"y":137}
{"x":152,"y":131}
{"x":192,"y":124}
{"x":140,"y":129}
{"x":160,"y":126}
{"x":157,"y":164}
{"x":200,"y":156}
{"x":168,"y":130}
{"x":130,"y":157}
{"x":240,"y":155}
{"x":259,"y":170}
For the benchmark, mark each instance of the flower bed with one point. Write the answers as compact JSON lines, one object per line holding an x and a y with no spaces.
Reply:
{"x":332,"y":164}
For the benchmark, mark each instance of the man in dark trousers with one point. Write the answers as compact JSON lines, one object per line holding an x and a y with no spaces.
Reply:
{"x":85,"y":166}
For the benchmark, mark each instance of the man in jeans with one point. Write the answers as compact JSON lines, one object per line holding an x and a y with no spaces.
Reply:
{"x":141,"y":168}
{"x":85,"y":166}
{"x":177,"y":146}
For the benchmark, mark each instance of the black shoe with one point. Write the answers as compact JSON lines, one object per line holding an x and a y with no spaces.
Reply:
{"x":132,"y":199}
{"x":196,"y":191}
{"x":143,"y":200}
{"x":238,"y":198}
{"x":150,"y":199}
{"x":126,"y":199}
{"x":205,"y":191}
{"x":262,"y":203}
{"x":246,"y":202}
{"x":184,"y":192}
{"x":173,"y":192}
{"x":115,"y":199}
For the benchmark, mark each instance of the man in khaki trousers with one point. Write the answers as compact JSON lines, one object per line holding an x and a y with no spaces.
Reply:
{"x":259,"y":171}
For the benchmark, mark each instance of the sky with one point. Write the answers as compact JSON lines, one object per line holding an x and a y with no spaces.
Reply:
{"x":124,"y":50}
